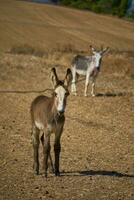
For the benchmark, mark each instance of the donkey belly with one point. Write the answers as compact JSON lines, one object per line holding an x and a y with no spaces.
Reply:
{"x":81,"y":72}
{"x":82,"y":67}
{"x":39,"y":125}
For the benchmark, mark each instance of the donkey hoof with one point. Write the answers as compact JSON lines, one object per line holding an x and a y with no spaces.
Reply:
{"x":93,"y":95}
{"x":74,"y":94}
{"x":51,"y":171}
{"x":36,"y":172}
{"x":57,"y":173}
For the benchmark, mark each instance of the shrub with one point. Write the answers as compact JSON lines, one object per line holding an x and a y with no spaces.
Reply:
{"x":131,"y":15}
{"x":122,"y":8}
{"x":86,"y":4}
{"x":116,"y":7}
{"x":103,"y":6}
{"x":66,"y":48}
{"x":27,"y":50}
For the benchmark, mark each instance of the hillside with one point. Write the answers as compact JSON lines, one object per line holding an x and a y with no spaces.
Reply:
{"x":43,"y":25}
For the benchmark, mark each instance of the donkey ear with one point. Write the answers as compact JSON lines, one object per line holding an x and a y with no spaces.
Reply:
{"x":54,"y":77}
{"x":68,"y":77}
{"x":105,"y":50}
{"x":93,"y":49}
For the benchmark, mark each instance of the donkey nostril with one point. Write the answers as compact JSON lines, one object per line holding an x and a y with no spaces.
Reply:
{"x":61,"y":112}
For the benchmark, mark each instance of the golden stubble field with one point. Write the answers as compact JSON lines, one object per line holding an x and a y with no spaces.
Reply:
{"x":97,"y":156}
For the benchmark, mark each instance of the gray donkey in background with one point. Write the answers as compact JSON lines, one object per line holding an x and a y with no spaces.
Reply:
{"x":88,"y":66}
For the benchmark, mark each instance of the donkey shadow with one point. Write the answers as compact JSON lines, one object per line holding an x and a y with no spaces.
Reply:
{"x":109,"y":94}
{"x":97,"y":173}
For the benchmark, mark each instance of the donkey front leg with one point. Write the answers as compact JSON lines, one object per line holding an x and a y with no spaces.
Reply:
{"x":50,"y":161}
{"x":46,"y":151}
{"x":73,"y":88}
{"x":35,"y":141}
{"x":86,"y":85}
{"x":93,"y":89}
{"x":73,"y":85}
{"x":57,"y":149}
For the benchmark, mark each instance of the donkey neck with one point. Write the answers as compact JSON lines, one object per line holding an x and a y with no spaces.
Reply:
{"x":54,"y":114}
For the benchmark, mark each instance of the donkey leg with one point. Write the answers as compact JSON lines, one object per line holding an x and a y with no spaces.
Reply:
{"x":73,"y":85}
{"x":86,"y":88}
{"x":50,"y":163}
{"x":57,"y":149}
{"x":35,"y":141}
{"x":73,"y":88}
{"x":93,"y":89}
{"x":46,"y":151}
{"x":86,"y":85}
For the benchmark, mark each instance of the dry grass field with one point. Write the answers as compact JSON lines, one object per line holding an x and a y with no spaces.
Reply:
{"x":97,"y":157}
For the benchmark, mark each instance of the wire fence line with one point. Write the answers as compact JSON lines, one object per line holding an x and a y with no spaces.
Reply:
{"x":31,"y":91}
{"x":25,"y":91}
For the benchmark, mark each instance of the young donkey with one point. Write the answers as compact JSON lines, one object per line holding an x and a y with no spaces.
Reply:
{"x":47,"y":114}
{"x":88,"y":66}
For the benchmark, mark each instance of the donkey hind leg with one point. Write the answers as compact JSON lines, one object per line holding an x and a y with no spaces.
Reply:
{"x":46,"y":151}
{"x":93,"y":89}
{"x":86,"y":88}
{"x":50,"y":161}
{"x":86,"y":85}
{"x":35,"y":141}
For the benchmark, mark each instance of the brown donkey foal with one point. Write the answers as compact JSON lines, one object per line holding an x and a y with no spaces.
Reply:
{"x":47,"y":114}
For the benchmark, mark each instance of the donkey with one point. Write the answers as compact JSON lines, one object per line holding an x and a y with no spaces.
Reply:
{"x":47,"y":114}
{"x":88,"y":66}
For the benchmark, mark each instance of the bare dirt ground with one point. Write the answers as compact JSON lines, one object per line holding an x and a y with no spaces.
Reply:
{"x":97,"y":157}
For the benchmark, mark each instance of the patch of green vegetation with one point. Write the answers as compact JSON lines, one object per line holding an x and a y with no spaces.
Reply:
{"x":115,"y":7}
{"x":27,"y":50}
{"x":86,"y":4}
{"x":131,"y":15}
{"x":122,"y":8}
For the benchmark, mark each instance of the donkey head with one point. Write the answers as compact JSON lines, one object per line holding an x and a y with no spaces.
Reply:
{"x":60,"y":90}
{"x":97,"y":55}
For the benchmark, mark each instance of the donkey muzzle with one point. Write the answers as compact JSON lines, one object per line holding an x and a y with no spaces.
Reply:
{"x":61,"y":112}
